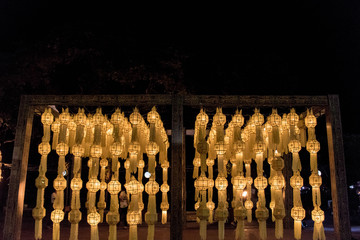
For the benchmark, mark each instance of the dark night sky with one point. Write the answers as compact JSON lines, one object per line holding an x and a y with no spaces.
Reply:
{"x":279,"y":47}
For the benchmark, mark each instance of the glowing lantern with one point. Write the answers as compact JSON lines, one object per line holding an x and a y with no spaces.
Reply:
{"x":93,"y":185}
{"x":239,"y":182}
{"x":76,"y":184}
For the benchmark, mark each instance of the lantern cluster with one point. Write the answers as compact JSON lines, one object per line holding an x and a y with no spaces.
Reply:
{"x":258,"y":139}
{"x":104,"y":142}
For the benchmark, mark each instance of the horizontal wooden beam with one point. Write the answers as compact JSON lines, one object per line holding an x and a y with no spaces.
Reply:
{"x":189,"y":100}
{"x":255,"y":100}
{"x":99,"y":100}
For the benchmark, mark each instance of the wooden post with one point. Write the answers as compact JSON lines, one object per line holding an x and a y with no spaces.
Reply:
{"x":337,"y":170}
{"x":288,"y":201}
{"x":16,"y":193}
{"x":178,"y":197}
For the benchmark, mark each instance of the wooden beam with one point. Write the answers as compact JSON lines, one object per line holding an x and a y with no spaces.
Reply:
{"x":100,"y":100}
{"x":255,"y":101}
{"x":337,"y":170}
{"x":178,"y":174}
{"x":16,"y":192}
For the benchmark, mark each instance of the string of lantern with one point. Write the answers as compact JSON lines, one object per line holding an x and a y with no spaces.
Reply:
{"x":258,"y":140}
{"x":106,"y":143}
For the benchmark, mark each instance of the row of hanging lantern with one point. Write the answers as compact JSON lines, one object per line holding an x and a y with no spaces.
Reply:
{"x":241,"y":143}
{"x":103,"y":141}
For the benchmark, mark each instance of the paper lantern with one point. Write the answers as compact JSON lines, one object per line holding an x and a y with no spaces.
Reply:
{"x":57,"y":216}
{"x":292,"y":117}
{"x":310,"y":120}
{"x":62,"y":149}
{"x":260,"y":182}
{"x":95,"y":151}
{"x":219,"y":118}
{"x":239,"y":182}
{"x":202,"y":118}
{"x":93,"y":218}
{"x":76,"y":184}
{"x":59,"y":183}
{"x":257,"y":118}
{"x":133,"y":217}
{"x":78,"y":150}
{"x":93,"y":185}
{"x":41,"y":182}
{"x":296,"y":182}
{"x":220,"y":148}
{"x":133,"y":187}
{"x":74,"y":216}
{"x":114,"y":187}
{"x":202,"y":183}
{"x":116,"y":149}
{"x":165,"y":188}
{"x":294,"y":146}
{"x":135,"y":117}
{"x":151,"y":187}
{"x":44,"y":148}
{"x":313,"y":146}
{"x":221,"y":183}
{"x":153,"y":116}
{"x":98,"y":117}
{"x":152,"y":148}
{"x":38,"y":213}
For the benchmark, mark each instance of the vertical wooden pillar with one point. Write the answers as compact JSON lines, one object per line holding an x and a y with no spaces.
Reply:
{"x":337,"y":170}
{"x":178,"y":196}
{"x":16,"y":193}
{"x":288,"y":201}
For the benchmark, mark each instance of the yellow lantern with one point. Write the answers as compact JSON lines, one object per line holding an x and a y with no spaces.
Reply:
{"x":116,"y":149}
{"x":80,"y":117}
{"x":260,"y":182}
{"x":152,"y":148}
{"x":277,"y":163}
{"x":219,"y":118}
{"x":221,"y":183}
{"x":292,"y":118}
{"x":117,"y":117}
{"x":294,"y":146}
{"x":278,"y":182}
{"x":62,"y":149}
{"x":153,"y":116}
{"x":64,"y":117}
{"x":310,"y":119}
{"x":93,"y":218}
{"x":134,"y":187}
{"x":315,"y":180}
{"x":133,"y":217}
{"x":298,"y":214}
{"x":95,"y":151}
{"x":151,"y":187}
{"x":202,"y":118}
{"x":93,"y":185}
{"x":57,"y":216}
{"x":98,"y":117}
{"x":78,"y":150}
{"x":135,"y":117}
{"x":76,"y":184}
{"x":47,"y":118}
{"x":296,"y":181}
{"x":239,"y":182}
{"x":114,"y":187}
{"x":313,"y":146}
{"x":220,"y":148}
{"x":59,"y":183}
{"x":41,"y":182}
{"x":44,"y":148}
{"x":257,"y":118}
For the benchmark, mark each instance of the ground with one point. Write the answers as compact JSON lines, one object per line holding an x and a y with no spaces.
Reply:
{"x":162,"y":232}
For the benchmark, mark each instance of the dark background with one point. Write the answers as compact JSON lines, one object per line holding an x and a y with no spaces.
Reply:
{"x":272,"y":47}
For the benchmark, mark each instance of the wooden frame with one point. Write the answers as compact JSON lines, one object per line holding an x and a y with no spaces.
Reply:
{"x":326,"y":103}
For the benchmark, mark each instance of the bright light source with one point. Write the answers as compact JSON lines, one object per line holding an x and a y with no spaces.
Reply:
{"x":147,"y":174}
{"x":244,"y":194}
{"x":64,"y":173}
{"x":319,"y":172}
{"x":351,"y":186}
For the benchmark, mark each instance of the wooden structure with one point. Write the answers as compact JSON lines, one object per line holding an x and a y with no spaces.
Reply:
{"x":328,"y":104}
